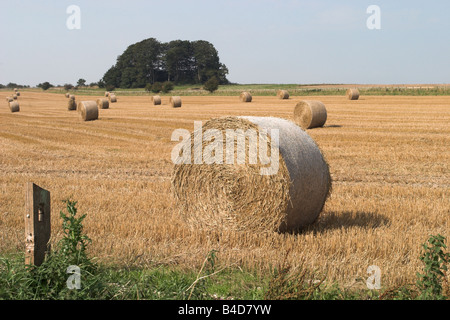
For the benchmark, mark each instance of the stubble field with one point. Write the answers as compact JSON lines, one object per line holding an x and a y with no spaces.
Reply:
{"x":388,"y":155}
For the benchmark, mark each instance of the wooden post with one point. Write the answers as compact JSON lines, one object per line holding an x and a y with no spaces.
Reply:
{"x":37,"y":224}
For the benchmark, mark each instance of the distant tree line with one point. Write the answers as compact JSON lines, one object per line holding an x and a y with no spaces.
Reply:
{"x":178,"y":61}
{"x":13,"y":85}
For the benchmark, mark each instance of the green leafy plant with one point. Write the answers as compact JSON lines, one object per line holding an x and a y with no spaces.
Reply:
{"x":435,"y":260}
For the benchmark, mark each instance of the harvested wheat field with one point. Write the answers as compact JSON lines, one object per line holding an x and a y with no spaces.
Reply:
{"x":388,"y":157}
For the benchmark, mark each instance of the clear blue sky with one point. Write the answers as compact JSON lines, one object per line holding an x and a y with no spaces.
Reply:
{"x":260,"y":41}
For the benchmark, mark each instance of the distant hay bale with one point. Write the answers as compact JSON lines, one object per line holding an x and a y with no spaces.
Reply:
{"x":352,"y":94}
{"x":9,"y":99}
{"x":18,"y":93}
{"x":112,"y":98}
{"x":102,"y":103}
{"x":232,"y":196}
{"x":245,"y":97}
{"x":14,"y":106}
{"x":14,"y":97}
{"x":283,"y":94}
{"x":156,"y":100}
{"x":71,"y":105}
{"x":88,"y":110}
{"x":106,"y":94}
{"x":175,"y":102}
{"x":67,"y":95}
{"x":310,"y":114}
{"x":71,"y":97}
{"x":15,"y":89}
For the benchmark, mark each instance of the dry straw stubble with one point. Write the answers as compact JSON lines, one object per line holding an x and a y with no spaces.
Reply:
{"x":238,"y":197}
{"x":310,"y":114}
{"x":88,"y":110}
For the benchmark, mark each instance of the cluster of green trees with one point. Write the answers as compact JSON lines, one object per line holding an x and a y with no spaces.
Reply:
{"x":178,"y":61}
{"x":13,"y":85}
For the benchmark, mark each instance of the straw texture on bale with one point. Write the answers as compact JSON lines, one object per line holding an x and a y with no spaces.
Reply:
{"x":102,"y":103}
{"x":112,"y":98}
{"x":237,"y":196}
{"x":175,"y":102}
{"x":310,"y":114}
{"x":156,"y":100}
{"x":245,"y":97}
{"x":353,"y":94}
{"x":14,"y":106}
{"x":283,"y":94}
{"x":71,"y":105}
{"x":88,"y":110}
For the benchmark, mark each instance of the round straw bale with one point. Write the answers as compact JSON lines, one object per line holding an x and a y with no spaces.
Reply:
{"x":156,"y":100}
{"x":283,"y":94}
{"x":175,"y":102}
{"x":238,"y":196}
{"x":14,"y":106}
{"x":245,"y":97}
{"x":71,"y":105}
{"x":106,"y":94}
{"x":18,"y":93}
{"x":310,"y":114}
{"x":67,"y":95}
{"x":102,"y":103}
{"x":14,"y":96}
{"x":72,"y":97}
{"x":112,"y":98}
{"x":9,"y":99}
{"x":352,"y":94}
{"x":88,"y":110}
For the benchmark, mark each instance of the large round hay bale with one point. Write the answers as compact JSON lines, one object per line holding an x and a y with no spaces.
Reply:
{"x":112,"y":98}
{"x":102,"y":103}
{"x":310,"y":114}
{"x":106,"y":94}
{"x":352,"y":94}
{"x":14,"y":106}
{"x":71,"y":97}
{"x":156,"y":100}
{"x":175,"y":102}
{"x":245,"y":97}
{"x":67,"y":95}
{"x":88,"y":110}
{"x":71,"y":105}
{"x":242,"y":196}
{"x":283,"y":94}
{"x":18,"y":93}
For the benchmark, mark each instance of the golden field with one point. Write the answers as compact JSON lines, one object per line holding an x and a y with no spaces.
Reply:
{"x":389,"y":159}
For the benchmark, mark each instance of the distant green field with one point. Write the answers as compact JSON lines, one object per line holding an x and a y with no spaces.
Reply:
{"x":266,"y":90}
